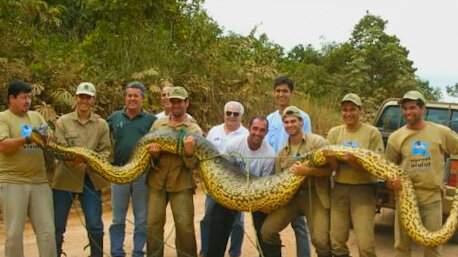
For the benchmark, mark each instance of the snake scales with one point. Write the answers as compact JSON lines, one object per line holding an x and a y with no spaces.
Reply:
{"x":229,"y":185}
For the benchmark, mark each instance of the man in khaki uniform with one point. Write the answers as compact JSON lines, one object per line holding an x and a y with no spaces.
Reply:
{"x":81,"y":128}
{"x":419,"y":149}
{"x":171,"y":180}
{"x":23,"y":183}
{"x":312,"y":199}
{"x":353,"y":194}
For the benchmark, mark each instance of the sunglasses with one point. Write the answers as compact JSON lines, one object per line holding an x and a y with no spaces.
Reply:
{"x":234,"y":114}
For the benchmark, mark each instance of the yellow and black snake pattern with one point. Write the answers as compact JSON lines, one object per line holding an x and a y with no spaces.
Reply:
{"x":231,"y":187}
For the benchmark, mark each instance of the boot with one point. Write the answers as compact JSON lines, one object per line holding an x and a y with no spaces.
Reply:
{"x":96,"y":244}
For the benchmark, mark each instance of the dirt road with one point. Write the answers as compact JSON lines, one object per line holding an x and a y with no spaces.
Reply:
{"x":76,"y":239}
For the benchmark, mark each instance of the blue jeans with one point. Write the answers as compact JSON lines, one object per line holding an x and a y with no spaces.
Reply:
{"x":301,"y":230}
{"x":120,"y":198}
{"x":91,"y":203}
{"x":237,"y":232}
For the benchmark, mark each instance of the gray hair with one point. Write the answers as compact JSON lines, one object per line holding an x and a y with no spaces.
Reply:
{"x":138,"y":85}
{"x":239,"y":106}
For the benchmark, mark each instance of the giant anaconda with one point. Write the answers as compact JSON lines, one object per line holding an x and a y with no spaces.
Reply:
{"x":230,"y":186}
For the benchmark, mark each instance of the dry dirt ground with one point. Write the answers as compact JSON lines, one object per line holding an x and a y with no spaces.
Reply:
{"x":76,"y":239}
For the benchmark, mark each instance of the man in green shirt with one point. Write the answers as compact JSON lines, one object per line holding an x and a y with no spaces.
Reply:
{"x":128,"y":126}
{"x":171,"y":180}
{"x":24,"y":186}
{"x":81,"y":128}
{"x":419,"y":149}
{"x":353,"y":194}
{"x":312,"y":199}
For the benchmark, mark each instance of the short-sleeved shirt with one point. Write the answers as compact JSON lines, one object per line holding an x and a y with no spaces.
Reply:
{"x":127,"y":132}
{"x":364,"y":136}
{"x":172,"y":172}
{"x":277,"y":135}
{"x":290,"y":153}
{"x":218,"y":137}
{"x":421,"y":154}
{"x":93,"y":134}
{"x":259,"y":162}
{"x":26,"y":164}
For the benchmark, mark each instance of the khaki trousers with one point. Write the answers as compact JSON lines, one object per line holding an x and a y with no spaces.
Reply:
{"x":20,"y":201}
{"x":353,"y":204}
{"x":305,"y":201}
{"x":431,"y":215}
{"x":183,"y":214}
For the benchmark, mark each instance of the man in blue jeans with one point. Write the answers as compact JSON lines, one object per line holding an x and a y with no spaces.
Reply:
{"x":73,"y":178}
{"x":277,"y":137}
{"x":219,"y":136}
{"x":128,"y":126}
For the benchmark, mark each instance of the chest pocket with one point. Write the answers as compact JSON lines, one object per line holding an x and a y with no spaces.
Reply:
{"x":72,"y":138}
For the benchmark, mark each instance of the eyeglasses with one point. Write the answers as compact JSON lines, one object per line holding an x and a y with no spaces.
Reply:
{"x":234,"y":114}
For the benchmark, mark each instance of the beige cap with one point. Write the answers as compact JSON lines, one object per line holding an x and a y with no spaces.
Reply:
{"x":85,"y":88}
{"x":413,"y":95}
{"x":178,"y":92}
{"x":291,"y":110}
{"x":352,"y":97}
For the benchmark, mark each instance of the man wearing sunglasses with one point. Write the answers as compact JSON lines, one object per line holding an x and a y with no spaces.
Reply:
{"x":277,"y":137}
{"x":220,"y":135}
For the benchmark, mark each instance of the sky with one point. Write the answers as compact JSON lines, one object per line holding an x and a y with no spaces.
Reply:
{"x":428,"y":29}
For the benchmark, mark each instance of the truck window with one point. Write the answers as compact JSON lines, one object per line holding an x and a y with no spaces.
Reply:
{"x":454,"y":121}
{"x":389,"y":120}
{"x":439,"y":116}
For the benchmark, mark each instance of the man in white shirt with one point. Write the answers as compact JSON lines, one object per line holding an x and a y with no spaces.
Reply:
{"x":165,"y":103}
{"x":220,"y":135}
{"x":255,"y":153}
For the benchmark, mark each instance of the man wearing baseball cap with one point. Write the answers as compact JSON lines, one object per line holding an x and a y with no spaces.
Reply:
{"x":419,"y":147}
{"x":353,"y":194}
{"x":81,"y":128}
{"x":312,"y":199}
{"x":171,"y":180}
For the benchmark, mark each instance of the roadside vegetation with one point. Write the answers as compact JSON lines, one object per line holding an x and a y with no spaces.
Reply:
{"x":56,"y":44}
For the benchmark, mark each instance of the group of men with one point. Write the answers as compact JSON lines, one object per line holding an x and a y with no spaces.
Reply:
{"x":333,"y":198}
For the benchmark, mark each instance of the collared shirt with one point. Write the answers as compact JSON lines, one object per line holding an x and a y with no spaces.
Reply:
{"x":172,"y":172}
{"x":93,"y":134}
{"x":127,"y":132}
{"x":289,"y":154}
{"x":421,"y":154}
{"x":259,"y":162}
{"x":26,"y":164}
{"x":219,"y":138}
{"x":365,"y":136}
{"x":277,"y":135}
{"x":161,"y":115}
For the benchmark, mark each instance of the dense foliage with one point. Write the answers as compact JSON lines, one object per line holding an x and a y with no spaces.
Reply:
{"x":57,"y":44}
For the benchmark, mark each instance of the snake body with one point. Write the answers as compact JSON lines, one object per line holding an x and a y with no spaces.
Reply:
{"x":231,"y":187}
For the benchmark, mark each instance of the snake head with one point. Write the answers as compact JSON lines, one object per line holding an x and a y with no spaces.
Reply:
{"x":39,"y":136}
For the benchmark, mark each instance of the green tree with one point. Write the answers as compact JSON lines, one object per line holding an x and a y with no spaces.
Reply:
{"x":452,"y":90}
